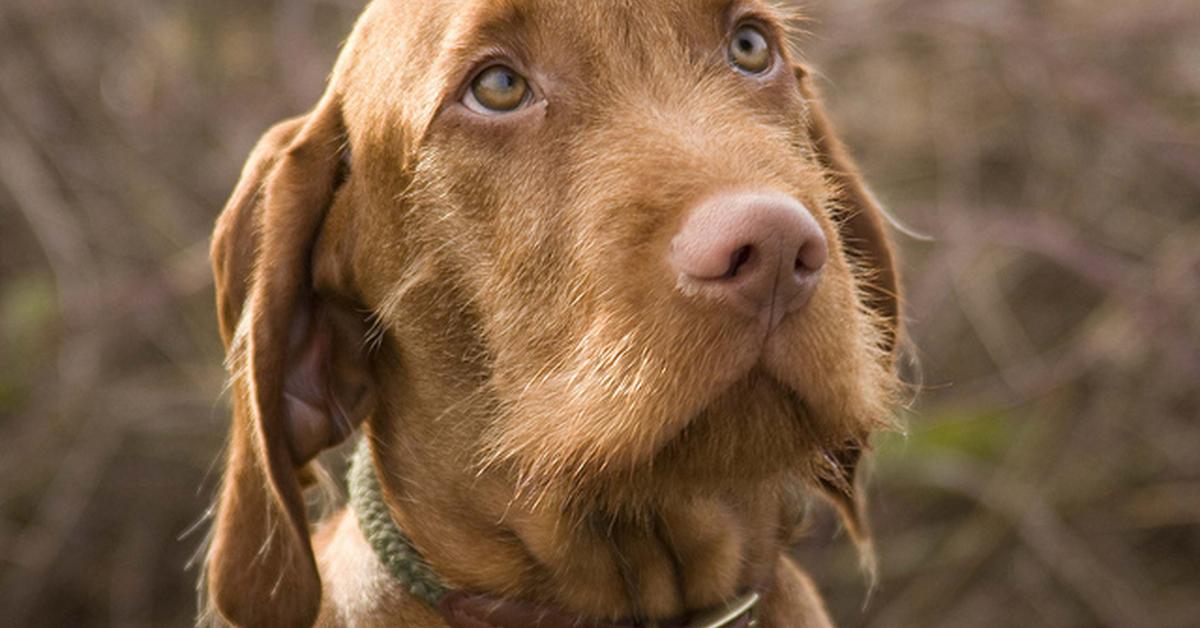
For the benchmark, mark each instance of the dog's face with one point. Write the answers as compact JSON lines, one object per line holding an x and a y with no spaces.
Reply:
{"x":609,"y":250}
{"x":552,"y":216}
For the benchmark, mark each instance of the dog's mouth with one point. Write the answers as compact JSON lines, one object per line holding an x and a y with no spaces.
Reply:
{"x":777,"y":410}
{"x":756,"y":429}
{"x":764,"y":361}
{"x":755,"y":395}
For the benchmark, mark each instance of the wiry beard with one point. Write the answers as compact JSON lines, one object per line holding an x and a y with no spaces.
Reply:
{"x":616,"y":406}
{"x":628,"y":423}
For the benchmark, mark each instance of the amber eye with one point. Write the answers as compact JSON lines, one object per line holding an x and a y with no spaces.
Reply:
{"x":498,"y":89}
{"x":750,"y":51}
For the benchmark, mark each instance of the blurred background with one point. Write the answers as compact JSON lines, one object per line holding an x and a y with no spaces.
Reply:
{"x":1049,"y":149}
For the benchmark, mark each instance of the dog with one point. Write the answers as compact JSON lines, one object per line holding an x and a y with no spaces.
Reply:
{"x":602,"y":291}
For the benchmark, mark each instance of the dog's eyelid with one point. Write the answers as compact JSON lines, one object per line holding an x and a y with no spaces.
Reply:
{"x":487,"y":57}
{"x":769,"y":23}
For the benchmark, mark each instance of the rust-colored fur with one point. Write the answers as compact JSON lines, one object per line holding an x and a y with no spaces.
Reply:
{"x":552,"y":420}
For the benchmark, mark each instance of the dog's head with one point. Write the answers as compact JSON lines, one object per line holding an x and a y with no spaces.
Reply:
{"x":602,"y":251}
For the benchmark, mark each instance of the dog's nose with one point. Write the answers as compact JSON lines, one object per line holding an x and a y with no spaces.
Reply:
{"x":760,"y":252}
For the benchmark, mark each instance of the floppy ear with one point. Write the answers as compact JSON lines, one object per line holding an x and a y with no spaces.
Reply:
{"x":300,"y":382}
{"x":863,"y":222}
{"x":863,"y":231}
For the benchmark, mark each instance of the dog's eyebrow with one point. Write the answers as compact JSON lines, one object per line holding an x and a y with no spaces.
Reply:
{"x":489,"y":24}
{"x":772,"y":12}
{"x":482,"y":30}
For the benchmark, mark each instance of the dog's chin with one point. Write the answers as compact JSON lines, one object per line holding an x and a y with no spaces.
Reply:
{"x":757,"y":427}
{"x":757,"y":435}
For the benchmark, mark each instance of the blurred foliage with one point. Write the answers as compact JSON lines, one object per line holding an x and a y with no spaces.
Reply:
{"x":1050,"y":150}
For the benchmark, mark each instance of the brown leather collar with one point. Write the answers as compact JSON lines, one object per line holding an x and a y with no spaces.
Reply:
{"x":463,"y":610}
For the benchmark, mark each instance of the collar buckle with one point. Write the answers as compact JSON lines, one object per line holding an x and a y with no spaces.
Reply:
{"x":725,"y":616}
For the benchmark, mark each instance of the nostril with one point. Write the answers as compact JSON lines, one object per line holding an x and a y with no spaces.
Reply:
{"x":738,"y":261}
{"x":811,"y":258}
{"x":803,"y":265}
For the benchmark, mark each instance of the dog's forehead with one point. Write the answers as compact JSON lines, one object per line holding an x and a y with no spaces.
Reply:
{"x":578,"y":17}
{"x":599,"y":22}
{"x":458,"y":25}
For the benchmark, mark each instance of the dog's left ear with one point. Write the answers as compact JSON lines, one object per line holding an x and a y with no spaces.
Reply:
{"x":862,"y":220}
{"x":862,"y":225}
{"x":300,"y":380}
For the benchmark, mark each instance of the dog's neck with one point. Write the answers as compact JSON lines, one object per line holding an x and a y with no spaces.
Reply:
{"x":410,"y":570}
{"x":680,"y":555}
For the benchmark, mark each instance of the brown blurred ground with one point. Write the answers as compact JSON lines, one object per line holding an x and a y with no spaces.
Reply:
{"x":1051,"y":471}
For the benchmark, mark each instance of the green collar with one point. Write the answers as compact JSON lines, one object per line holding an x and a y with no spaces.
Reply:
{"x":393,"y":548}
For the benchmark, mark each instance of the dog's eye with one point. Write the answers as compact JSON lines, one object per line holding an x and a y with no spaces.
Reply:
{"x":498,"y":89}
{"x":749,"y":51}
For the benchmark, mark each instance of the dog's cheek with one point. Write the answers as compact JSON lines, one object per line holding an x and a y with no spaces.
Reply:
{"x":511,"y":236}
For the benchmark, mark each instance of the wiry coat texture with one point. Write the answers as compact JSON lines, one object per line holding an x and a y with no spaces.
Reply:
{"x":552,"y":418}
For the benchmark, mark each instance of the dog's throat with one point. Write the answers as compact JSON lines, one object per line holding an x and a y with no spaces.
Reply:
{"x":408,"y":567}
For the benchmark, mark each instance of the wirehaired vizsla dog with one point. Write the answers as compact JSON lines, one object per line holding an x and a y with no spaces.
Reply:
{"x":604,"y":294}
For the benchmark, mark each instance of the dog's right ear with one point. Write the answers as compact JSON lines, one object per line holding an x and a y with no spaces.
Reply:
{"x":864,"y":232}
{"x":300,"y":379}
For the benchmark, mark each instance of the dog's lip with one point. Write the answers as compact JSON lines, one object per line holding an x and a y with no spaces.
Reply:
{"x":758,"y":354}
